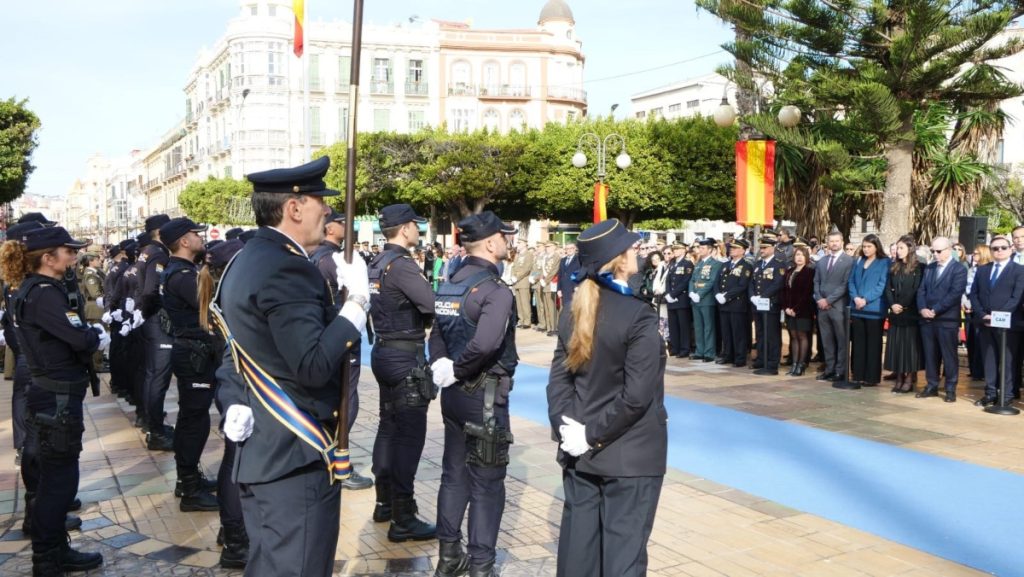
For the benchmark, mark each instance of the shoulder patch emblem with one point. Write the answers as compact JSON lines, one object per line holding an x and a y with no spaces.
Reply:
{"x":73,"y":319}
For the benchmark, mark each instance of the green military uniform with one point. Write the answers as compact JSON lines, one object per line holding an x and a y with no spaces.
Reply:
{"x":702,"y":284}
{"x":521,"y":268}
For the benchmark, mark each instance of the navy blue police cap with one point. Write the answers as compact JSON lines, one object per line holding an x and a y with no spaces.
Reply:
{"x":177,"y":228}
{"x":36,"y":217}
{"x":600,"y":244}
{"x":480,"y":226}
{"x":707,"y":242}
{"x":305,"y":179}
{"x":17,"y":231}
{"x":739,"y":243}
{"x":233,"y":233}
{"x":247,"y":235}
{"x":219,"y":256}
{"x":114,"y":250}
{"x":212,"y":244}
{"x":51,"y":237}
{"x":156,"y":221}
{"x":336,"y":216}
{"x":396,"y":214}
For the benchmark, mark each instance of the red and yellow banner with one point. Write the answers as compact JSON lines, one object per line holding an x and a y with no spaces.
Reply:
{"x":299,"y":8}
{"x":600,"y":200}
{"x":755,"y":182}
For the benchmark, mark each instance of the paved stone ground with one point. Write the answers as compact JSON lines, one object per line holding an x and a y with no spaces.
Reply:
{"x":702,"y":528}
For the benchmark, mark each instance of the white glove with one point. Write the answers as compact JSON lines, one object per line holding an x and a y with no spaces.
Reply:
{"x":670,"y":299}
{"x":533,"y":280}
{"x":106,"y":318}
{"x":444,"y":372}
{"x":137,"y":319}
{"x":125,"y":329}
{"x":513,"y":279}
{"x":964,"y":302}
{"x":3,"y":340}
{"x":753,"y":298}
{"x":695,"y":297}
{"x":720,"y":297}
{"x":99,"y":302}
{"x":353,"y":276}
{"x":104,"y":337}
{"x":355,"y":314}
{"x":129,"y":304}
{"x":238,"y":423}
{"x":117,"y":316}
{"x":574,"y":437}
{"x":2,"y":314}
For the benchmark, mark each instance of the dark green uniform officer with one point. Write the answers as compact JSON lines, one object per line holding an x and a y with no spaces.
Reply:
{"x":734,"y":306}
{"x":473,"y":348}
{"x":766,"y":283}
{"x":703,"y":285}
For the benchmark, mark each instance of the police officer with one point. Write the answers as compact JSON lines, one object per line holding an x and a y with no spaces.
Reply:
{"x":155,"y":340}
{"x":323,"y":258}
{"x":92,"y":290}
{"x":280,"y":312}
{"x":58,"y":345}
{"x":402,"y":307}
{"x":193,"y":360}
{"x":473,"y":347}
{"x":680,"y":308}
{"x":131,"y":321}
{"x":120,"y":382}
{"x":734,"y":306}
{"x":766,"y":283}
{"x":703,"y":284}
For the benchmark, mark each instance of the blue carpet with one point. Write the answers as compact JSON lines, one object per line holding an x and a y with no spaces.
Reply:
{"x":962,"y":512}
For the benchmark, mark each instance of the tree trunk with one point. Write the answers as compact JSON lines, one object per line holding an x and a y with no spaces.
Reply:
{"x":897,"y":200}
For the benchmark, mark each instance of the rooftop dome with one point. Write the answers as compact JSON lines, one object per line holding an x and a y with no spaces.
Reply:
{"x":556,"y":10}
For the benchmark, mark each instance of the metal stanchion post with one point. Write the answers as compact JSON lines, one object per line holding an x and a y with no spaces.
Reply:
{"x":1000,"y":408}
{"x":845,"y":383}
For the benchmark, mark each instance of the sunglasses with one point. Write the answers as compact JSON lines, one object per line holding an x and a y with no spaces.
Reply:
{"x":940,"y":251}
{"x":1000,"y":248}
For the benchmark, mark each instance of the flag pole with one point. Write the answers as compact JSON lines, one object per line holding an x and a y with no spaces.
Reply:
{"x":350,"y":198}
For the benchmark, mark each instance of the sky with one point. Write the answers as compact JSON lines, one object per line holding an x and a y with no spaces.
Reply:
{"x":108,"y":76}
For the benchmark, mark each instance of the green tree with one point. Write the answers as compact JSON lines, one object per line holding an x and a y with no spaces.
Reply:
{"x":18,"y":139}
{"x":703,"y":162}
{"x":876,"y":61}
{"x":218,"y":200}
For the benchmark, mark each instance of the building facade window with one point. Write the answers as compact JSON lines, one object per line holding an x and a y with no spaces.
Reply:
{"x":316,"y":135}
{"x":462,"y":78}
{"x":416,"y":73}
{"x":517,"y":79}
{"x":692,"y":103}
{"x":381,"y":81}
{"x":314,"y":72}
{"x":674,"y":107}
{"x":517,"y":120}
{"x":492,"y":120}
{"x":461,"y":120}
{"x":656,"y":112}
{"x":641,"y":114}
{"x":381,"y":120}
{"x":417,"y":120}
{"x":491,"y":79}
{"x":342,"y":124}
{"x":344,"y":72}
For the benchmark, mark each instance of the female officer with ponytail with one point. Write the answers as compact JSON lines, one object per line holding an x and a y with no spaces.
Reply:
{"x":606,"y":404}
{"x":58,"y":346}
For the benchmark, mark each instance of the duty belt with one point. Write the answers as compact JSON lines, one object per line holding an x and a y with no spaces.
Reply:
{"x":415,"y":347}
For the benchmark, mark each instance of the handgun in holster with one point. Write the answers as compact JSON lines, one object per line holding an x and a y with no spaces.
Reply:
{"x":487,"y":442}
{"x":60,"y":435}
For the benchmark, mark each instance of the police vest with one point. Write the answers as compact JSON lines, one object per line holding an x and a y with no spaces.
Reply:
{"x":40,"y":348}
{"x":391,"y":311}
{"x":184,"y":318}
{"x":458,"y":330}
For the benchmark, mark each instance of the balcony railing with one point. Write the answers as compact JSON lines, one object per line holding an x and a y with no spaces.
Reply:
{"x":505,"y":91}
{"x":380,"y":86}
{"x":564,"y":93}
{"x":416,"y":88}
{"x":460,"y":89}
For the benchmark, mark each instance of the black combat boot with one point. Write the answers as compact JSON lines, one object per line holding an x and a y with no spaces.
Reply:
{"x":236,"y":547}
{"x":382,"y":510}
{"x":72,"y":560}
{"x":482,"y":569}
{"x":193,"y":497}
{"x":208,"y":485}
{"x":47,"y":564}
{"x":405,"y":526}
{"x":453,"y":561}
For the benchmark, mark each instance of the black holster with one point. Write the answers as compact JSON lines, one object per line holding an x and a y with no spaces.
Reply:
{"x":59,"y":434}
{"x":192,"y":357}
{"x":487,"y":443}
{"x":418,"y":388}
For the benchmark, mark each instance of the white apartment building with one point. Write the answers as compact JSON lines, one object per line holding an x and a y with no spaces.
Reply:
{"x":701,"y":95}
{"x":54,"y":207}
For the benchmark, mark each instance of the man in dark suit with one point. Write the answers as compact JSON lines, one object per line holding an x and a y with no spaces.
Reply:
{"x":568,"y":265}
{"x":767,"y":283}
{"x":280,"y":312}
{"x":938,"y":299}
{"x":677,"y":300}
{"x":734,"y":306}
{"x":831,"y":277}
{"x":998,"y":287}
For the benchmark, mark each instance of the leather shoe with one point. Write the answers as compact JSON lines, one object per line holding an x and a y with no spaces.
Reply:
{"x":356,"y":482}
{"x":836,"y":378}
{"x":156,"y":442}
{"x":683,"y":356}
{"x":757,"y":366}
{"x":720,"y":361}
{"x":824,"y":376}
{"x":950,"y":397}
{"x":928,"y":392}
{"x":766,"y":372}
{"x":985,"y":402}
{"x":708,"y":359}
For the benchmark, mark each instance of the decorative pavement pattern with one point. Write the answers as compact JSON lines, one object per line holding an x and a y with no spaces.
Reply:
{"x":702,"y":528}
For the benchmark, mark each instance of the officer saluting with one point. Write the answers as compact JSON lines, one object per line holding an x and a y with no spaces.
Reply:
{"x":58,"y":345}
{"x":289,"y":340}
{"x":473,"y":347}
{"x":733,"y":305}
{"x":769,"y":273}
{"x":402,"y":307}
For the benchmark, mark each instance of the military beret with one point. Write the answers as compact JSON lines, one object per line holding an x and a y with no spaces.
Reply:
{"x":305,"y":179}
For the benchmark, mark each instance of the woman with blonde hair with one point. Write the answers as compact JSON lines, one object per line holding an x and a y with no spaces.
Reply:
{"x":606,"y":405}
{"x":981,"y":256}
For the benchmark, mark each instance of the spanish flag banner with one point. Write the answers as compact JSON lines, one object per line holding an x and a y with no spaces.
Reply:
{"x":600,"y":199}
{"x":755,"y":182}
{"x":299,"y":8}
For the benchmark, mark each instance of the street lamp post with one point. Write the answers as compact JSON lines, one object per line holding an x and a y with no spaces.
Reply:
{"x":623,"y":161}
{"x":239,"y":132}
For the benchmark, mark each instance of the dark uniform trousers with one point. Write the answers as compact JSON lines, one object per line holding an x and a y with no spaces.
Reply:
{"x":136,"y":372}
{"x":938,"y":343}
{"x":120,"y":378}
{"x":482,"y":489}
{"x":19,"y":408}
{"x":624,"y":506}
{"x":195,"y":395}
{"x":705,"y":323}
{"x":402,"y":430}
{"x":679,"y":322}
{"x":769,"y":358}
{"x":158,"y":346}
{"x":735,"y":336}
{"x":57,"y":480}
{"x":292,"y":524}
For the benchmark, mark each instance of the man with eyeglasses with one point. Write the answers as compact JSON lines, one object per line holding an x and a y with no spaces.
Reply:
{"x":998,"y":286}
{"x":938,"y":300}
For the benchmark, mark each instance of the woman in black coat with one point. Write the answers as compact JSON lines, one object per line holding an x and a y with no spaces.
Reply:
{"x":606,"y":404}
{"x":798,"y":306}
{"x":903,"y":347}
